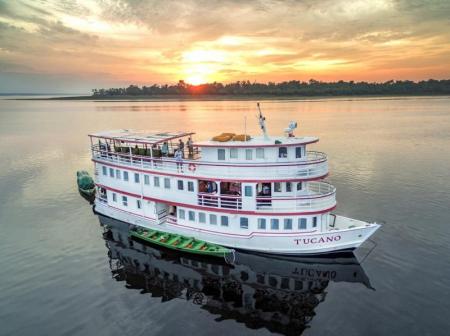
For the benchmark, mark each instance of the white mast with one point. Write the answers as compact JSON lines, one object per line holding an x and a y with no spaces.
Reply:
{"x":262,"y":123}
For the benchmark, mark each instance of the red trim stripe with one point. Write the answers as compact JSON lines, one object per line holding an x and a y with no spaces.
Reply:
{"x":157,"y":172}
{"x":213,"y":209}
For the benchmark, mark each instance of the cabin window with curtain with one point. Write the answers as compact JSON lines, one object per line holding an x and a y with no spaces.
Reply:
{"x":288,"y":186}
{"x":298,"y":152}
{"x":299,"y":186}
{"x":274,"y":223}
{"x":224,"y":220}
{"x":138,"y":204}
{"x":288,"y":223}
{"x":249,"y":154}
{"x":302,"y":223}
{"x":202,"y":217}
{"x":156,"y":181}
{"x":125,"y":176}
{"x":117,"y":174}
{"x":248,"y":191}
{"x":124,"y":200}
{"x":260,"y":153}
{"x":181,"y":214}
{"x":261,"y":223}
{"x":136,"y":177}
{"x":221,"y":154}
{"x":244,"y":223}
{"x":277,"y":187}
{"x":191,"y":215}
{"x":234,"y":153}
{"x":147,"y":179}
{"x":180,"y":185}
{"x":282,"y":152}
{"x":212,"y":219}
{"x":104,"y":170}
{"x":190,"y":186}
{"x":166,"y":183}
{"x":111,"y":172}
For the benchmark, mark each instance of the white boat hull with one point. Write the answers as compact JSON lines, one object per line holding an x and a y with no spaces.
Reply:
{"x":262,"y":242}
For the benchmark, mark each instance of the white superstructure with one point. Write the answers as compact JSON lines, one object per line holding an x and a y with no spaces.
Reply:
{"x":264,"y":194}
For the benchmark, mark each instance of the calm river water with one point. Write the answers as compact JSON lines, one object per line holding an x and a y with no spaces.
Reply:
{"x":390,"y":162}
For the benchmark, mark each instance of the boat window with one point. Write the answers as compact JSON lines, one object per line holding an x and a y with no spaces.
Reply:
{"x":221,"y":154}
{"x":299,"y":186}
{"x":260,"y":153}
{"x":274,"y":223}
{"x":190,"y":186}
{"x":233,"y":153}
{"x":156,"y":181}
{"x":111,"y":172}
{"x":136,"y":177}
{"x":224,"y":220}
{"x":261,"y":223}
{"x":288,"y":223}
{"x":288,"y":186}
{"x":314,"y":221}
{"x":302,"y":223}
{"x":282,"y":152}
{"x":298,"y":152}
{"x":181,"y":214}
{"x":124,"y":200}
{"x":191,"y":215}
{"x":248,"y":191}
{"x":277,"y":187}
{"x":212,"y":219}
{"x":249,"y":154}
{"x":202,"y":217}
{"x":180,"y":185}
{"x":244,"y":223}
{"x":114,"y":197}
{"x":118,"y":174}
{"x":125,"y":176}
{"x":147,"y":179}
{"x":104,"y":170}
{"x":284,"y":283}
{"x":167,"y":183}
{"x":138,"y":204}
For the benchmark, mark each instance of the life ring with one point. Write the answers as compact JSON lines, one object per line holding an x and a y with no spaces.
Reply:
{"x":192,"y":167}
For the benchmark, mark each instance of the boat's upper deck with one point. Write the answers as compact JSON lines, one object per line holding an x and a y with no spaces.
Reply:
{"x":260,"y":141}
{"x":141,"y":137}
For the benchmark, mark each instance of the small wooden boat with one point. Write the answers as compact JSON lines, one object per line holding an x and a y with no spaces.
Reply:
{"x":85,"y":183}
{"x":180,"y":243}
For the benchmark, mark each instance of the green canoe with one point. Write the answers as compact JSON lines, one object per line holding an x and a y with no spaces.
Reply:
{"x":85,"y":183}
{"x":180,"y":243}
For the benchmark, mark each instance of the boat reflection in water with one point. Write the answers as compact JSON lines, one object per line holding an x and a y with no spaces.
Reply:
{"x":259,"y":291}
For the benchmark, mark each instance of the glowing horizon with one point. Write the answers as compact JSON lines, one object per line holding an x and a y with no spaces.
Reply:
{"x":87,"y":44}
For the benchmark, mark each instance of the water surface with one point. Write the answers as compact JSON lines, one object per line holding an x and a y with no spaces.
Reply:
{"x":390,"y":162}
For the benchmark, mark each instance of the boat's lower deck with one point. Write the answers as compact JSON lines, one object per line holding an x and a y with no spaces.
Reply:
{"x":341,"y":234}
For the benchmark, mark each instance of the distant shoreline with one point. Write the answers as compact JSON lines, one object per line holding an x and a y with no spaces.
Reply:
{"x":231,"y":97}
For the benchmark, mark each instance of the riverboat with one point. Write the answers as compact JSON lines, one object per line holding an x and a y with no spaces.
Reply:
{"x":265,"y":194}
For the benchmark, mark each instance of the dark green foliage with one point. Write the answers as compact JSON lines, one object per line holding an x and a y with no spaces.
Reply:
{"x":290,"y":88}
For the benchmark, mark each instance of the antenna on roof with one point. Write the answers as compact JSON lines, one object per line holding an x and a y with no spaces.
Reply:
{"x":262,"y":122}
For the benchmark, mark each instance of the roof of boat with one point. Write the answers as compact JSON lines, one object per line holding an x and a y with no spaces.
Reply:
{"x":261,"y":141}
{"x":144,"y":137}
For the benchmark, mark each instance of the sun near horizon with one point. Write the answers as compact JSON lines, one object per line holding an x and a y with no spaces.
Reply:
{"x":76,"y":46}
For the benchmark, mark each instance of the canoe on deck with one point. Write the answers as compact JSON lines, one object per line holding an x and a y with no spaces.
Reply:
{"x":180,"y":243}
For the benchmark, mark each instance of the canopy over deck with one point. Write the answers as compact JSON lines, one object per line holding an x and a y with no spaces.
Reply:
{"x":141,"y":137}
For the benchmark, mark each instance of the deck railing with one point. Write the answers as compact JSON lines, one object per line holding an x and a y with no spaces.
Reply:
{"x":220,"y":201}
{"x":314,"y":164}
{"x":318,"y":195}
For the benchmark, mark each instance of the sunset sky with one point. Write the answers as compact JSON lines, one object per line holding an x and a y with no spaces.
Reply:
{"x":74,"y":46}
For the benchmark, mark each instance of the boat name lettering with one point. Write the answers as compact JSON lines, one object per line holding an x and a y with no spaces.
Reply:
{"x":315,"y":240}
{"x":314,"y":274}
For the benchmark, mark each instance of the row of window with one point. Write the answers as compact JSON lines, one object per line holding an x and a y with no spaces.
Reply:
{"x":116,"y":173}
{"x":125,"y":201}
{"x":243,"y":221}
{"x":258,"y":152}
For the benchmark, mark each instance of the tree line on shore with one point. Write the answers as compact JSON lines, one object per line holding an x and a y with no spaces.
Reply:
{"x":287,"y":88}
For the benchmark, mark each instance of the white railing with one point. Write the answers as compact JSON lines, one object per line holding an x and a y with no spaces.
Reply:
{"x":313,"y":165}
{"x":318,"y":195}
{"x":220,"y":201}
